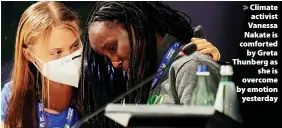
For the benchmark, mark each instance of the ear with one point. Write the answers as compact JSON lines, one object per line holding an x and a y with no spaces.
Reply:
{"x":28,"y":55}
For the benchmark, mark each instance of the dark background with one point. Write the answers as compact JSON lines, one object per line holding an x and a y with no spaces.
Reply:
{"x":223,"y":22}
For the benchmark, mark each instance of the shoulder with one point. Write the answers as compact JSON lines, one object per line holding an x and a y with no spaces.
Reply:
{"x":7,"y":87}
{"x":183,"y":70}
{"x":183,"y":77}
{"x":190,"y":63}
{"x":5,"y":96}
{"x":6,"y":91}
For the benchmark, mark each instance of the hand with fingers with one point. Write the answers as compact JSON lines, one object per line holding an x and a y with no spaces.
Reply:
{"x":206,"y":47}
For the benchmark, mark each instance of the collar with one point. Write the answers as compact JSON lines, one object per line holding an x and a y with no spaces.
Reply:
{"x":165,"y":45}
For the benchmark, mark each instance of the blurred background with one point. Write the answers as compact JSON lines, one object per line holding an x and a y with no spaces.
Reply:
{"x":221,"y":21}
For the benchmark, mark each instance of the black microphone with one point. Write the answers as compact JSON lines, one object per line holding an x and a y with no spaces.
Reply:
{"x":186,"y":50}
{"x":199,"y":32}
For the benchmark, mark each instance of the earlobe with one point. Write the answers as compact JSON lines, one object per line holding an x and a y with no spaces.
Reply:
{"x":27,"y":54}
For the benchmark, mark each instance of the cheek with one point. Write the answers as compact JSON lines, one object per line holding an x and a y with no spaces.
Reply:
{"x":43,"y":56}
{"x":124,"y":51}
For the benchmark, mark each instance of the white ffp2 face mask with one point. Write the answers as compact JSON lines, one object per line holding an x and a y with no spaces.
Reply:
{"x":65,"y":70}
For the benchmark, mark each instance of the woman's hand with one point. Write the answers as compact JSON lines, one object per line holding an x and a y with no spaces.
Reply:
{"x":206,"y":47}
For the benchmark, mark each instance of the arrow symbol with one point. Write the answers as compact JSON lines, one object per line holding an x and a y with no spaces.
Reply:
{"x":245,"y":7}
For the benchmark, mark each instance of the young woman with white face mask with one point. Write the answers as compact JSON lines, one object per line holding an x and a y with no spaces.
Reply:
{"x":44,"y":91}
{"x":46,"y":69}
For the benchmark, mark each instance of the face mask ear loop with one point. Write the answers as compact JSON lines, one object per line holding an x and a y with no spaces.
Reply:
{"x":39,"y":61}
{"x":44,"y":82}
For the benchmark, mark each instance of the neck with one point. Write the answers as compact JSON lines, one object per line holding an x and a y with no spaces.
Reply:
{"x":57,"y":97}
{"x":159,"y":40}
{"x":159,"y":43}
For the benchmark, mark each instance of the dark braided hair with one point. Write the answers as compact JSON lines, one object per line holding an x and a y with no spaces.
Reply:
{"x":147,"y":19}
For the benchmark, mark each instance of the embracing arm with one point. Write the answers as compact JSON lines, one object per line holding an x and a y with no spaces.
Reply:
{"x":206,"y":47}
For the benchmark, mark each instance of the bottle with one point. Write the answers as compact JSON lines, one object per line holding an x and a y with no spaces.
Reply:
{"x":203,"y":94}
{"x":226,"y":98}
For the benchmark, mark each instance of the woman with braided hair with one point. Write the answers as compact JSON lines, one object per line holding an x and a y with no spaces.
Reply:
{"x":125,"y":37}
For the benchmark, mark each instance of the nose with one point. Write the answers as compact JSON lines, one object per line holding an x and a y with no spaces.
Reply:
{"x":116,"y":61}
{"x":117,"y":64}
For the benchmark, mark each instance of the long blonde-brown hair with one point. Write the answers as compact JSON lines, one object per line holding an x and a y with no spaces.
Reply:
{"x":38,"y":19}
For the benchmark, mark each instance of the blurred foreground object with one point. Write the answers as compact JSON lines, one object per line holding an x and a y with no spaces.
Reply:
{"x":203,"y":95}
{"x":227,"y":113}
{"x":159,"y":116}
{"x":226,"y":98}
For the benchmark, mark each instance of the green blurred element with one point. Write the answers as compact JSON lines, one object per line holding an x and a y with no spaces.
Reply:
{"x":203,"y":94}
{"x":155,"y":99}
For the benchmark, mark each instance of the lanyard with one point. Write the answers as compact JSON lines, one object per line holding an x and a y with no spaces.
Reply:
{"x":42,"y":118}
{"x":165,"y":61}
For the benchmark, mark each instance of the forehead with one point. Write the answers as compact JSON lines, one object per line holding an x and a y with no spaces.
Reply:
{"x":60,"y":36}
{"x":100,"y":33}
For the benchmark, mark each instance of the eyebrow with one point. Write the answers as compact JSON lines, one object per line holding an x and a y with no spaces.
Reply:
{"x":76,"y":41}
{"x":55,"y":49}
{"x":104,"y":45}
{"x":62,"y":48}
